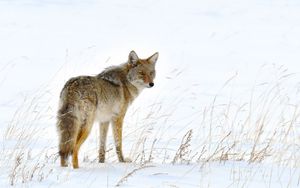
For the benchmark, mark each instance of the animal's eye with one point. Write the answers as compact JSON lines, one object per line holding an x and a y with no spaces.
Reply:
{"x":152,"y":73}
{"x":142,"y":73}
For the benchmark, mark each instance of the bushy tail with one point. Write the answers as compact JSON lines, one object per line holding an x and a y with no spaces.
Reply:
{"x":68,"y":127}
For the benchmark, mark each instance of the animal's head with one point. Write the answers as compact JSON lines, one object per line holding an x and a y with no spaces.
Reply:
{"x":141,"y":71}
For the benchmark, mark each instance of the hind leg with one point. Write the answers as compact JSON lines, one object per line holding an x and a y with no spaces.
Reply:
{"x":82,"y":135}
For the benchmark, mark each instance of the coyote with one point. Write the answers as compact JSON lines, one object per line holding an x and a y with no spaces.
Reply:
{"x":103,"y":98}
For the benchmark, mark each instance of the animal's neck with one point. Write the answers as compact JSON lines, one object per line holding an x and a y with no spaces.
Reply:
{"x":133,"y":90}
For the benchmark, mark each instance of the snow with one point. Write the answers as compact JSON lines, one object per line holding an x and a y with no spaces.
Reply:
{"x":224,"y":111}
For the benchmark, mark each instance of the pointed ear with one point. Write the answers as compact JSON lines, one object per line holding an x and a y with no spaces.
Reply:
{"x":153,"y":58}
{"x":133,"y":58}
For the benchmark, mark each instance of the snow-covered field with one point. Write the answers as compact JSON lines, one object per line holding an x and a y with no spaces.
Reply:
{"x":224,"y":111}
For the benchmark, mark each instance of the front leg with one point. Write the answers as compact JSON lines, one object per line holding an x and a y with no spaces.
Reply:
{"x":117,"y":132}
{"x":103,"y":135}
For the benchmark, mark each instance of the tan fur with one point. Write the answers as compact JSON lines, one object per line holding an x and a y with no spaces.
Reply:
{"x":103,"y":98}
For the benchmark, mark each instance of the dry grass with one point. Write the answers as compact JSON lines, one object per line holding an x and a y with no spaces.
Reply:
{"x":124,"y":178}
{"x":260,"y":126}
{"x":184,"y":151}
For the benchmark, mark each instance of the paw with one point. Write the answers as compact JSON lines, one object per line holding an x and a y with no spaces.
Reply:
{"x":101,"y":157}
{"x":101,"y":160}
{"x":63,"y":163}
{"x":127,"y":160}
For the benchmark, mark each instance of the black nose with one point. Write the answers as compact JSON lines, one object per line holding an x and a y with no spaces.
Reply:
{"x":151,"y":84}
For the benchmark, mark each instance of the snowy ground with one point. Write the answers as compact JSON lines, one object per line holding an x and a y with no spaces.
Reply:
{"x":224,"y":111}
